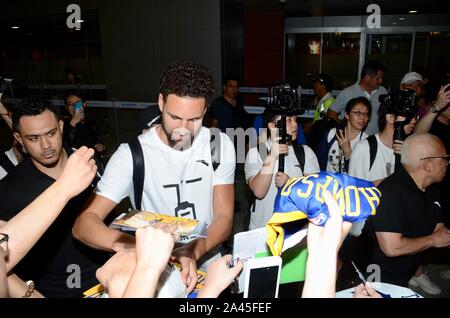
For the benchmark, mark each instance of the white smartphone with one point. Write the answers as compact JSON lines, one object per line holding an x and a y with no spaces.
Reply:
{"x":262,"y":277}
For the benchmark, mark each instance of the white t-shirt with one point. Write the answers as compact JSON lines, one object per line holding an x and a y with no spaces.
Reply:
{"x":382,"y":167}
{"x":334,"y":155}
{"x":178,"y":183}
{"x":263,"y":209}
{"x":12,"y":157}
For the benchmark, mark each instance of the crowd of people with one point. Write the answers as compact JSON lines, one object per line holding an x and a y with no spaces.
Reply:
{"x":57,"y":192}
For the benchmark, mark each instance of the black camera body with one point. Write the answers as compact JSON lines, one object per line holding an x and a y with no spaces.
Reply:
{"x":400,"y":103}
{"x":284,"y":100}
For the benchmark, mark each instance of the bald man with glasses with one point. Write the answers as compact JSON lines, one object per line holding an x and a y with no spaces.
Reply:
{"x":409,"y":217}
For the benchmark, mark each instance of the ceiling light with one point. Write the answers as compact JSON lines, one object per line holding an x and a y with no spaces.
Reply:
{"x":15,"y":27}
{"x":79,"y":21}
{"x":412,"y":11}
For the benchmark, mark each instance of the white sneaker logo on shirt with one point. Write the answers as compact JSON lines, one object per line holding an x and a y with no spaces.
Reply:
{"x":437,"y":203}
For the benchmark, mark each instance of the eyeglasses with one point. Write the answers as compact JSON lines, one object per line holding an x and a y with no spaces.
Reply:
{"x":360,"y":114}
{"x":447,"y":158}
{"x":4,"y":238}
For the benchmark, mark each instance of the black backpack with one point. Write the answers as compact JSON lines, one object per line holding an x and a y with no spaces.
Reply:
{"x":139,"y":166}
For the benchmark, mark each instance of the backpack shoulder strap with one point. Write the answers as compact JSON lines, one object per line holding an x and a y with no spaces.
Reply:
{"x":214,"y":144}
{"x":373,"y":148}
{"x":138,"y":171}
{"x":5,"y":163}
{"x":299,"y":151}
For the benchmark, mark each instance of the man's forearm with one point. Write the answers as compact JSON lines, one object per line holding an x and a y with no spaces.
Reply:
{"x":90,"y":230}
{"x":218,"y":232}
{"x":407,"y":246}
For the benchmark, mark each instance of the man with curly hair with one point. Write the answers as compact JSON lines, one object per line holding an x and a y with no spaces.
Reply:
{"x":181,"y":178}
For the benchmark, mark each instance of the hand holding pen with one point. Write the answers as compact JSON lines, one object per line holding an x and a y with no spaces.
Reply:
{"x":364,"y":289}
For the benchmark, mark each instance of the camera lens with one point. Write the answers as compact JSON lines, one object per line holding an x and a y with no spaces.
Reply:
{"x":286,"y":101}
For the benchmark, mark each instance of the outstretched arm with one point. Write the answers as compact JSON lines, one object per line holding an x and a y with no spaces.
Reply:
{"x":443,"y":101}
{"x":323,"y":246}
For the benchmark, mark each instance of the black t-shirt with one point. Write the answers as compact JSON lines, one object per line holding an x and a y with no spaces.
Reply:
{"x":403,"y":209}
{"x":48,"y":262}
{"x":443,"y":132}
{"x":229,"y":116}
{"x":83,"y":134}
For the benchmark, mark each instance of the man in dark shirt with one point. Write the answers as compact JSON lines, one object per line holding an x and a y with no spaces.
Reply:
{"x":58,"y":265}
{"x":226,"y":111}
{"x":409,"y":217}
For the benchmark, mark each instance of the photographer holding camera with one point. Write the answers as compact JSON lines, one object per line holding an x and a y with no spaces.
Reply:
{"x":374,"y":158}
{"x":277,"y":151}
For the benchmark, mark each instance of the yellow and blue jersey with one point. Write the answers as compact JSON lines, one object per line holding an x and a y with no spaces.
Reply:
{"x":302,"y":198}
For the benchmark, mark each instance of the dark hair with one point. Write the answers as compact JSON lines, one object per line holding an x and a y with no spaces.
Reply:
{"x":326,"y":80}
{"x":268,"y":117}
{"x":358,"y":100}
{"x":371,"y":68}
{"x":382,"y":112}
{"x":72,"y":93}
{"x":187,"y":79}
{"x":230,"y":77}
{"x":32,"y":106}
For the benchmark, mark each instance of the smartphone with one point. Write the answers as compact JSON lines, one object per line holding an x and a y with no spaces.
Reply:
{"x":79,"y":107}
{"x":262,"y":277}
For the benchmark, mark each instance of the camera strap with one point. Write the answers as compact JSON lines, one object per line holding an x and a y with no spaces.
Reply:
{"x":299,"y":151}
{"x":373,"y":148}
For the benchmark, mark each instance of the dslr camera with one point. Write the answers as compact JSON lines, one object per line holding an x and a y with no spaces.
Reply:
{"x":400,"y":103}
{"x":284,"y":100}
{"x":4,"y":83}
